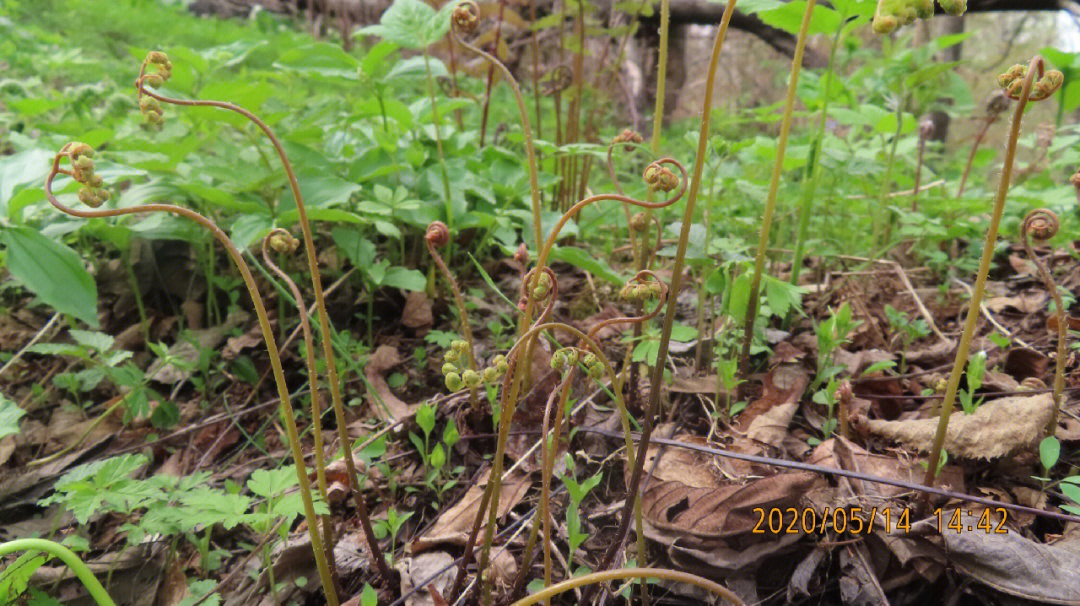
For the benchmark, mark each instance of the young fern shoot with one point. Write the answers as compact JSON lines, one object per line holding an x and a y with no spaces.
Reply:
{"x":1042,"y":224}
{"x":94,"y":195}
{"x":149,"y":103}
{"x":1024,"y":84}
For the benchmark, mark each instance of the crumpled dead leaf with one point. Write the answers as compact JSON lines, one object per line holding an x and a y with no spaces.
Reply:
{"x":419,"y":569}
{"x":693,"y":384}
{"x":1015,"y":564}
{"x":385,"y":404}
{"x":766,"y":419}
{"x":843,"y":454}
{"x":997,"y":428}
{"x":455,"y":522}
{"x":1027,"y":302}
{"x":417,"y":311}
{"x":700,"y":517}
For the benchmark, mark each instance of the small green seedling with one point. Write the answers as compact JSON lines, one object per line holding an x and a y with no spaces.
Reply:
{"x":909,"y":331}
{"x":976,"y":370}
{"x":578,"y":491}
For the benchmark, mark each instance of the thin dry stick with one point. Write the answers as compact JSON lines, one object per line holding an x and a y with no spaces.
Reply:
{"x":1042,"y":224}
{"x":37,"y":337}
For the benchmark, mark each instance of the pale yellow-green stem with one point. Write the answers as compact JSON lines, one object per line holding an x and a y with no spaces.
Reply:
{"x":68,"y":557}
{"x":320,"y":306}
{"x":287,"y":413}
{"x":947,"y":402}
{"x":676,"y":576}
{"x":774,"y":188}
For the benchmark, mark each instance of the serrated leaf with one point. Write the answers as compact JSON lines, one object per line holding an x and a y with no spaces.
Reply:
{"x":412,"y":23}
{"x":268,"y":483}
{"x":97,"y":341}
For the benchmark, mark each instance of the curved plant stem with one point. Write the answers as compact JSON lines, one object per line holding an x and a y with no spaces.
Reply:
{"x":1043,"y":224}
{"x":774,"y":187}
{"x":438,"y":235}
{"x":676,"y":283}
{"x":68,"y":557}
{"x":960,"y":362}
{"x":438,"y":142}
{"x":631,"y":573}
{"x":287,"y":412}
{"x":320,"y":306}
{"x":510,"y":391}
{"x":530,"y":151}
{"x":313,"y":373}
{"x":491,"y":71}
{"x":548,"y":453}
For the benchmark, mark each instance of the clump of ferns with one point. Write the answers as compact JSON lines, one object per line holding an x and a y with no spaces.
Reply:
{"x":660,"y":176}
{"x":1024,"y":84}
{"x":153,"y":72}
{"x":891,"y":14}
{"x":81,"y":158}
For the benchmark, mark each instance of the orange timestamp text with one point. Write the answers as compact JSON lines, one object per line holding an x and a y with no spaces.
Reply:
{"x":859,"y":520}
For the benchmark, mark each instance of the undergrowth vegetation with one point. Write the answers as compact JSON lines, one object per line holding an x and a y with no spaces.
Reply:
{"x":555,"y":279}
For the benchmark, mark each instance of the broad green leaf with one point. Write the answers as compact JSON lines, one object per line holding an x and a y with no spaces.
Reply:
{"x":404,"y":278}
{"x":20,"y":170}
{"x":583,"y":260}
{"x":53,"y":272}
{"x":249,"y":229}
{"x":412,"y":23}
{"x":10,"y":414}
{"x":359,"y":250}
{"x":789,"y":16}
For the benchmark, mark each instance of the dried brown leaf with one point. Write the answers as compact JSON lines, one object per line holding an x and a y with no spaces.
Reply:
{"x":419,"y":569}
{"x":385,"y":403}
{"x":455,"y":523}
{"x":417,"y":311}
{"x":1015,"y":564}
{"x":700,"y":516}
{"x":766,"y":419}
{"x":997,"y":428}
